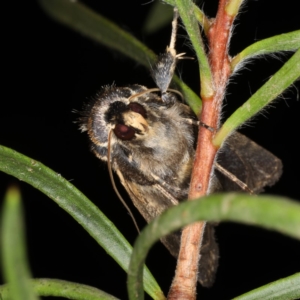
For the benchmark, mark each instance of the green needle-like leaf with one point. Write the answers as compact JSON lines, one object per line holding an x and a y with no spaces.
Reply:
{"x":80,"y":18}
{"x":77,"y":205}
{"x":274,"y":213}
{"x":199,"y":15}
{"x":84,"y":20}
{"x":15,"y":267}
{"x":276,"y":85}
{"x":232,"y":7}
{"x":61,"y":288}
{"x":282,"y":42}
{"x":203,"y":21}
{"x":158,"y":16}
{"x":283,"y":289}
{"x":186,"y":12}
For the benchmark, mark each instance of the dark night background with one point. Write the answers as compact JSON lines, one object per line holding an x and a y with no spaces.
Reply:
{"x":49,"y":70}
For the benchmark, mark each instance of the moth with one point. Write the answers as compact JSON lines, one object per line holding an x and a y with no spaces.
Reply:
{"x":149,"y":137}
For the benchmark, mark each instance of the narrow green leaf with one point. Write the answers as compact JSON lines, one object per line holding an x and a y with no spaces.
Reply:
{"x":280,"y":214}
{"x":170,"y":2}
{"x":14,"y":259}
{"x":283,"y":289}
{"x":203,"y":21}
{"x":94,"y":26}
{"x":61,"y":288}
{"x":276,"y":85}
{"x":199,"y":14}
{"x":186,"y":12}
{"x":80,"y":18}
{"x":232,"y":7}
{"x":189,"y":96}
{"x":282,"y":42}
{"x":158,"y":16}
{"x":77,"y":205}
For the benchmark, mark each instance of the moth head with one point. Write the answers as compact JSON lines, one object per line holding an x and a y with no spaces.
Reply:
{"x":128,"y":121}
{"x":119,"y":110}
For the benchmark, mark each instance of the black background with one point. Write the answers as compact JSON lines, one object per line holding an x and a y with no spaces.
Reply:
{"x":49,"y":70}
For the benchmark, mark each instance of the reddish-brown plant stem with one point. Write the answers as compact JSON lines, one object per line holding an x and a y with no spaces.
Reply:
{"x":185,"y":280}
{"x":218,"y":37}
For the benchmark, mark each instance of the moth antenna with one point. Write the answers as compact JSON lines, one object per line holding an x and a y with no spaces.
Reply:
{"x":240,"y":183}
{"x":174,"y":29}
{"x":154,"y":90}
{"x":113,"y":181}
{"x":176,"y":92}
{"x":142,"y":93}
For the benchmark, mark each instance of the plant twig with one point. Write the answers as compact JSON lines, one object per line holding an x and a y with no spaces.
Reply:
{"x":185,"y":281}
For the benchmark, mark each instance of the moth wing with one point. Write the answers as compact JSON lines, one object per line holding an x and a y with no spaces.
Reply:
{"x":148,"y":199}
{"x":249,"y":162}
{"x":151,"y":201}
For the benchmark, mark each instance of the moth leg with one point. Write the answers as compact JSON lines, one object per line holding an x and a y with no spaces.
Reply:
{"x":212,"y":129}
{"x":166,"y":194}
{"x":174,"y":30}
{"x":199,"y":123}
{"x":171,"y":47}
{"x":231,"y":176}
{"x":222,"y":170}
{"x":164,"y":184}
{"x":163,"y":70}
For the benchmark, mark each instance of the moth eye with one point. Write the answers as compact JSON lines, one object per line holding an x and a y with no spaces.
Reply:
{"x":124,"y":132}
{"x":133,"y":106}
